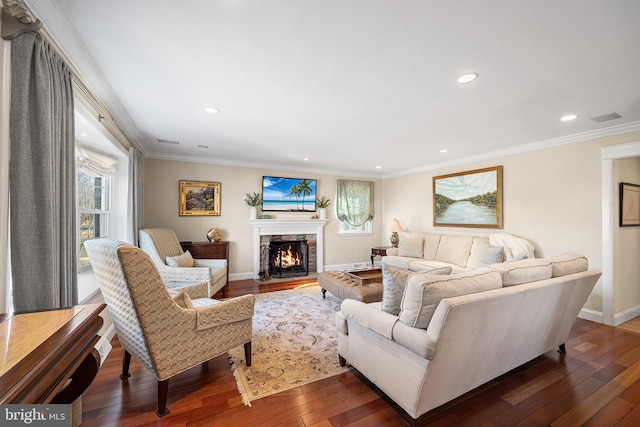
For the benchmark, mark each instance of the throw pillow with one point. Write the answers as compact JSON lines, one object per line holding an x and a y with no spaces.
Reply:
{"x":411,"y":247}
{"x":393,"y":282}
{"x":424,"y":292}
{"x":490,"y":255}
{"x":184,"y":260}
{"x":568,"y":263}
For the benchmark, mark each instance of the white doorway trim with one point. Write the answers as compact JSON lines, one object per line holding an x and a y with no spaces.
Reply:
{"x":608,"y":155}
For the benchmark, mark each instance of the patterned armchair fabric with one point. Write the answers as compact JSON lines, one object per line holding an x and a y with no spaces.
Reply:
{"x":161,"y":243}
{"x":166,"y":335}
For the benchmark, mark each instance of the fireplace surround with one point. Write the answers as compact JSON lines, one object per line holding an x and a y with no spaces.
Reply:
{"x":288,"y":227}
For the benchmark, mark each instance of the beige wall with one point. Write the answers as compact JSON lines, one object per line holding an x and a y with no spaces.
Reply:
{"x":161,"y":179}
{"x":551,"y":197}
{"x":626,"y":242}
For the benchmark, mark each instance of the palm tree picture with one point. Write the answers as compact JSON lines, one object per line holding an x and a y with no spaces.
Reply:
{"x":288,"y":194}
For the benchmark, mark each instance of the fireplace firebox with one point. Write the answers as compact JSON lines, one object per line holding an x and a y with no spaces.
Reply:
{"x":288,"y":258}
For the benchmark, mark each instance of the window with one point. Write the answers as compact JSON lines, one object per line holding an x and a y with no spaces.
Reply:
{"x":354,"y":207}
{"x":344,"y":228}
{"x":93,"y":210}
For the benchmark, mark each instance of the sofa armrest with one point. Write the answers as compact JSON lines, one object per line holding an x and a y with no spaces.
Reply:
{"x":184,"y":274}
{"x":211,"y":263}
{"x":227,"y":311}
{"x":370,"y":316}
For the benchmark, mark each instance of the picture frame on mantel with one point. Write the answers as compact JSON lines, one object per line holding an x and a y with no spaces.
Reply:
{"x":468,"y":199}
{"x":629,"y":204}
{"x":198,"y":198}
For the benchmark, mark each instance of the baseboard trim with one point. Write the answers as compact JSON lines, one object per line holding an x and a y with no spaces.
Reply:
{"x":592,"y":315}
{"x":626,"y":315}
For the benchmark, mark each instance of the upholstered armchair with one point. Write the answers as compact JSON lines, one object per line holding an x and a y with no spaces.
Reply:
{"x":166,"y":335}
{"x":161,"y":243}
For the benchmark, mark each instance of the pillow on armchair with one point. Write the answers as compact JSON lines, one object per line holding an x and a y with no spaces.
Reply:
{"x":184,"y":260}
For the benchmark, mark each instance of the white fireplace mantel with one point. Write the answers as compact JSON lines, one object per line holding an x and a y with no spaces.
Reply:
{"x":276,"y":227}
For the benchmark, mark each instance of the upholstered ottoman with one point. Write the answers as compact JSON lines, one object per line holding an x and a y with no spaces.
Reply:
{"x":345,"y":286}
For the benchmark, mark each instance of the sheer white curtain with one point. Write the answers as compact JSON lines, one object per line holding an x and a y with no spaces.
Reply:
{"x":41,"y":177}
{"x":354,"y":202}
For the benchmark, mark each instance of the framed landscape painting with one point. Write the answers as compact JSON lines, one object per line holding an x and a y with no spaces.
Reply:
{"x":468,"y":199}
{"x":629,"y":204}
{"x":199,"y":198}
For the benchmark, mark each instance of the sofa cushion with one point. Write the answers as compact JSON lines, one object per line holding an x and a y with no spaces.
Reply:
{"x":393,"y":282}
{"x":485,"y":256}
{"x":398,"y":262}
{"x":184,"y":260}
{"x":523,"y":271}
{"x":410,"y":247}
{"x":568,"y":263}
{"x":454,"y":249}
{"x":424,"y":292}
{"x":431,"y":242}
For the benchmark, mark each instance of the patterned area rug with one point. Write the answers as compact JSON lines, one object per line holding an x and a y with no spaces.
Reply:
{"x":295,"y":342}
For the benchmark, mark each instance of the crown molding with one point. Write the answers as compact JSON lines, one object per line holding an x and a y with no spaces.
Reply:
{"x":540,"y":145}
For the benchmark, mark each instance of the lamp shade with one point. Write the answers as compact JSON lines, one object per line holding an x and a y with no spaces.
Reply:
{"x":395,"y":226}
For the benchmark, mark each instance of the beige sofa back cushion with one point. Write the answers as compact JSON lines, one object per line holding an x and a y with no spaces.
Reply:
{"x":568,"y":263}
{"x":424,"y":292}
{"x":431,"y":243}
{"x":411,"y":247}
{"x":454,"y":249}
{"x":523,"y":271}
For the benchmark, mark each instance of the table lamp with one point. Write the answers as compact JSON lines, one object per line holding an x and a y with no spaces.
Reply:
{"x":394,"y":229}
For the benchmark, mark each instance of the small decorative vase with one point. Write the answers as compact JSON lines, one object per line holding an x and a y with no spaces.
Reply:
{"x":253,"y":212}
{"x":214,"y":235}
{"x":323,"y":213}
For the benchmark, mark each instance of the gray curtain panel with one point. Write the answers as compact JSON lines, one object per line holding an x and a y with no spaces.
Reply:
{"x":41,"y":178}
{"x":354,"y":203}
{"x":136,"y":213}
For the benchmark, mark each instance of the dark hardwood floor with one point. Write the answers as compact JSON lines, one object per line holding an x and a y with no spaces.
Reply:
{"x":596,"y":384}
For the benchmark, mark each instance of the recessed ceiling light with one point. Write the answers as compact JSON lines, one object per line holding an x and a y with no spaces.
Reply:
{"x":466,"y":78}
{"x":211,"y":110}
{"x":569,"y":117}
{"x":378,"y":167}
{"x":444,"y":150}
{"x":305,"y":159}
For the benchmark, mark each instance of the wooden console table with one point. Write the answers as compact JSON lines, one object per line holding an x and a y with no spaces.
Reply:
{"x":42,"y":350}
{"x":208,"y":250}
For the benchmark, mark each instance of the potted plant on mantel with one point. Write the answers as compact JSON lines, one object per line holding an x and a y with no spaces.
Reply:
{"x":323,"y":203}
{"x":253,"y":200}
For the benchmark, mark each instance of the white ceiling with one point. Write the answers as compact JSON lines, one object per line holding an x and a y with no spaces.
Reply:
{"x":354,"y":84}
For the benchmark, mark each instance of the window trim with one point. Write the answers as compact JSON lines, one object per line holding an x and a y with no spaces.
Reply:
{"x":368,"y":229}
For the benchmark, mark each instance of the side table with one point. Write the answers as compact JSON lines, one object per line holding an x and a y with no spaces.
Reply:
{"x":378,"y":250}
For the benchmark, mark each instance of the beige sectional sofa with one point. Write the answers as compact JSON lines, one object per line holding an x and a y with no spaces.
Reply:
{"x":454,"y":333}
{"x":425,"y":251}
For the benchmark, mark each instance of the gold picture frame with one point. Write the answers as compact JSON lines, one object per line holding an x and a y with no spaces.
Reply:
{"x":468,"y":199}
{"x":199,"y":198}
{"x":629,"y":204}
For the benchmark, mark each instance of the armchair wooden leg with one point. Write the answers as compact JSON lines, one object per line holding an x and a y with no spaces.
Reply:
{"x":342,"y":361}
{"x":247,"y":352}
{"x":126,"y":361}
{"x":163,"y":391}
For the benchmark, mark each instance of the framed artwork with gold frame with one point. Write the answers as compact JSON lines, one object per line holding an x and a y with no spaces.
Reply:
{"x":468,"y":199}
{"x":199,"y":198}
{"x":629,"y":204}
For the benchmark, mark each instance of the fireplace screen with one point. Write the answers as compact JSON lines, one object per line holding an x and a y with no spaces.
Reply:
{"x":288,"y":259}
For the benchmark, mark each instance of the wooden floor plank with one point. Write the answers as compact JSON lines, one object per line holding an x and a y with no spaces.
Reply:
{"x":597,"y":381}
